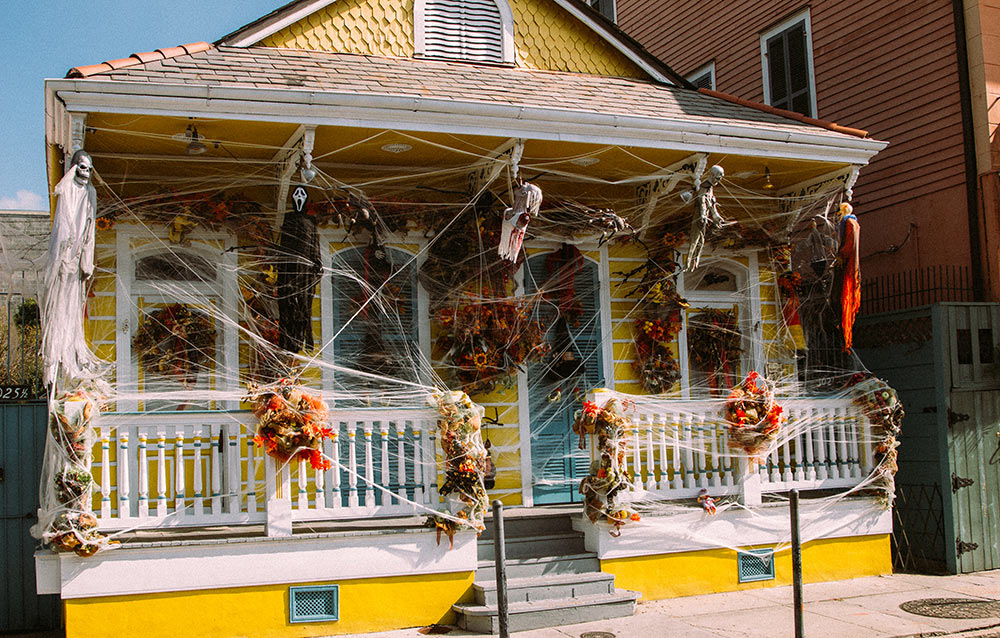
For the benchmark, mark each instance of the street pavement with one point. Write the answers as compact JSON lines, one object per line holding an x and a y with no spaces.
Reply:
{"x":859,"y":608}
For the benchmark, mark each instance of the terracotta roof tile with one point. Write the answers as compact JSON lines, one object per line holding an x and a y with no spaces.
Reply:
{"x":143,"y":57}
{"x":767,"y":108}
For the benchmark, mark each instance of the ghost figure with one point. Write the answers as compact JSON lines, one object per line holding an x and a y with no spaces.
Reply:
{"x":706,"y":213}
{"x":527,"y":202}
{"x":69,"y":265}
{"x":299,"y":268}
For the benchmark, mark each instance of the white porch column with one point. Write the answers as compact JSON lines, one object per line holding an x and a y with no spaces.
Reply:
{"x":749,"y":481}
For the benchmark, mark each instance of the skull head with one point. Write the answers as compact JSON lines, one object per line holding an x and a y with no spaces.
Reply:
{"x":299,"y":197}
{"x":715,"y":175}
{"x":82,"y":165}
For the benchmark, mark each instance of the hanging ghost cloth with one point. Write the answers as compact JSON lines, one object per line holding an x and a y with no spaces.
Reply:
{"x":68,"y":267}
{"x":299,"y":268}
{"x":849,"y":272}
{"x":527,"y":202}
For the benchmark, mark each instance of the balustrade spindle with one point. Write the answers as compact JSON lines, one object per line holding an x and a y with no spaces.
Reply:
{"x":124,"y":487}
{"x":650,"y":460}
{"x":143,"y":477}
{"x":179,"y":487}
{"x":701,"y":452}
{"x":430,"y":477}
{"x":161,"y":473}
{"x":319,"y":488}
{"x":818,"y":429}
{"x":233,"y":486}
{"x":799,"y":473}
{"x":786,"y":459}
{"x":216,"y":458}
{"x":664,"y":481}
{"x":302,"y":494}
{"x":104,"y":433}
{"x":774,"y":475}
{"x":199,"y":505}
{"x":418,"y":465}
{"x":369,"y":468}
{"x":810,"y":450}
{"x":384,"y":481}
{"x":830,"y":428}
{"x":675,"y":459}
{"x":335,"y":494}
{"x":852,"y":424}
{"x":636,"y":462}
{"x":251,"y":476}
{"x":688,"y":424}
{"x":352,"y":464}
{"x":400,"y":461}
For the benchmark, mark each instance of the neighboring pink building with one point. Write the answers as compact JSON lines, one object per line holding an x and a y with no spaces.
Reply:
{"x":923,"y":75}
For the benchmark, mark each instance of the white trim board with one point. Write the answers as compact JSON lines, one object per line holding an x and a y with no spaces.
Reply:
{"x":450,"y":116}
{"x":173,"y":567}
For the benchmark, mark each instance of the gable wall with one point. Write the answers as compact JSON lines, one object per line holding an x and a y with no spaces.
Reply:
{"x":545,"y":36}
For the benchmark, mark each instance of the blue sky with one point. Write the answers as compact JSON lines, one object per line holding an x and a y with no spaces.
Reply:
{"x":44,"y":39}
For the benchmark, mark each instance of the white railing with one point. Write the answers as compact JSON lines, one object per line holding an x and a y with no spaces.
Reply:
{"x":679,"y":448}
{"x":202,"y":468}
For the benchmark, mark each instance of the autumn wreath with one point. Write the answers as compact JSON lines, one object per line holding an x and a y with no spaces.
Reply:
{"x":753,"y":416}
{"x":175,"y":341}
{"x":292,"y":422}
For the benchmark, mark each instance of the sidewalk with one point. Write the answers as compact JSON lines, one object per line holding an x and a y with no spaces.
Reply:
{"x":860,"y":608}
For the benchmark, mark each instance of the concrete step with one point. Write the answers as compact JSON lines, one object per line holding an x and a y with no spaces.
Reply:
{"x":552,"y":587}
{"x":547,"y":613}
{"x":514,"y":527}
{"x":530,"y":546}
{"x":541,"y":566}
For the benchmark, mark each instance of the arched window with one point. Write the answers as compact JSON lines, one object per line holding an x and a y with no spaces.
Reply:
{"x":472,"y":30}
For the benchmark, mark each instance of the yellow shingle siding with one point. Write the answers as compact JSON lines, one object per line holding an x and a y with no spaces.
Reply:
{"x":545,"y":36}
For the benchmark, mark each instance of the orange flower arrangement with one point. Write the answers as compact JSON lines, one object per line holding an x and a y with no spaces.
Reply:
{"x":291,"y":423}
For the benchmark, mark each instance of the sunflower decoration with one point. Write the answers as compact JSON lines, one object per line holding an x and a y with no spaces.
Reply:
{"x":292,"y":422}
{"x":105,"y":223}
{"x":175,"y":341}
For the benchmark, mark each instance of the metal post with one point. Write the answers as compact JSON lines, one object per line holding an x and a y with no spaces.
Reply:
{"x":500,"y":559}
{"x":796,"y":563}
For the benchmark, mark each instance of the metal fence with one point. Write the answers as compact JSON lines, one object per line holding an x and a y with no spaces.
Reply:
{"x":921,"y":287}
{"x":20,"y":338}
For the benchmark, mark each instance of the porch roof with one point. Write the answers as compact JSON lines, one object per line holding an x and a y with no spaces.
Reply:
{"x":312,"y":77}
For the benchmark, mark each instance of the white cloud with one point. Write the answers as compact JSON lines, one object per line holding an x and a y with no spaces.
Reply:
{"x":24,"y":200}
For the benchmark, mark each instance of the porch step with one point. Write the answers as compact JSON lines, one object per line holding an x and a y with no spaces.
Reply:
{"x":534,"y":546}
{"x":541,"y":566}
{"x":515,"y":526}
{"x":551,"y":587}
{"x":547,"y":613}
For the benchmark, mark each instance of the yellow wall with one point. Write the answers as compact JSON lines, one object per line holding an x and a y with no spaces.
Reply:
{"x":545,"y":36}
{"x":365,"y":605}
{"x":715,"y":570}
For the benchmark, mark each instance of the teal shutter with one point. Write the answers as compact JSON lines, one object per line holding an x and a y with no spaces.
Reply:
{"x":558,"y":464}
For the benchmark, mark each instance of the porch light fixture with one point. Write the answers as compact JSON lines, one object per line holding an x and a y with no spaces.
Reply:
{"x":305,"y":166}
{"x":195,"y":145}
{"x":584,"y":161}
{"x":768,"y":186}
{"x":398,"y":147}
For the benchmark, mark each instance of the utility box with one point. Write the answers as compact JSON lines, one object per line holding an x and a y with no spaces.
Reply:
{"x":944,"y":362}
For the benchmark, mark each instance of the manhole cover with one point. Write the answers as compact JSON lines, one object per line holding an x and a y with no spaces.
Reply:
{"x":953,"y":608}
{"x":597,"y":634}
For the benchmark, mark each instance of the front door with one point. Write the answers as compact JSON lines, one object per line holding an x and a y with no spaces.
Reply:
{"x":570,"y":311}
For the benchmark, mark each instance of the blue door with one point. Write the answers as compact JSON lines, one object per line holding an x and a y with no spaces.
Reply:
{"x":558,"y":464}
{"x":22,"y":443}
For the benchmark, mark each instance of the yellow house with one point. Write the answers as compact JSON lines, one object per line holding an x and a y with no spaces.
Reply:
{"x":417,"y":121}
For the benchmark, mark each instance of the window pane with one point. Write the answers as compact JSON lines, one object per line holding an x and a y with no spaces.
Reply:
{"x":798,"y":61}
{"x":777,"y":70}
{"x":174,"y":266}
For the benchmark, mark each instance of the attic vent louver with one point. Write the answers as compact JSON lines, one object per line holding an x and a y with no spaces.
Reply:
{"x":463,"y":30}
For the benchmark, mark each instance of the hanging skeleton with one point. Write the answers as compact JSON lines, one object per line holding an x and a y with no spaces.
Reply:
{"x":706,"y":214}
{"x":299,"y":269}
{"x":527,"y":202}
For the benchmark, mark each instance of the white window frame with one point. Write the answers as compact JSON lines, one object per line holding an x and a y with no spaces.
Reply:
{"x":614,"y":9}
{"x":802,"y":16}
{"x":224,"y":290}
{"x":506,"y":24}
{"x":702,"y":70}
